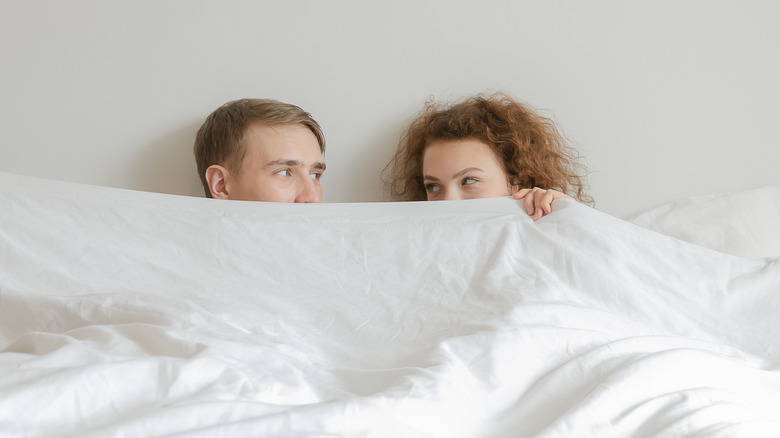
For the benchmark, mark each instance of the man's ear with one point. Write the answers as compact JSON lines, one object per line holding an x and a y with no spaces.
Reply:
{"x":217,"y":176}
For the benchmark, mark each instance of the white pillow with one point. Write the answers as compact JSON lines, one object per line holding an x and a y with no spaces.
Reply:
{"x":744,"y":223}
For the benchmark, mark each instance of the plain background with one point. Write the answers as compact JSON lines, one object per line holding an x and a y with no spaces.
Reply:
{"x":664,"y":99}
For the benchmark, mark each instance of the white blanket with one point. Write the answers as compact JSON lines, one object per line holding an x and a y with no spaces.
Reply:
{"x":744,"y":223}
{"x":136,"y":314}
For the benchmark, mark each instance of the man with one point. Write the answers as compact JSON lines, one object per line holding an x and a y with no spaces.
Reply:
{"x":260,"y":150}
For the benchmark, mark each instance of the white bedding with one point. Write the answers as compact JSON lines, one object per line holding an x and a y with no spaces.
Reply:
{"x":744,"y":223}
{"x":137,"y":314}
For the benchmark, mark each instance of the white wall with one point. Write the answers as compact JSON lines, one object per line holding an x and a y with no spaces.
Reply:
{"x":666,"y":99}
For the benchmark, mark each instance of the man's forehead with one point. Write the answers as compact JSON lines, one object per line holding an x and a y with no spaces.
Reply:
{"x":283,"y":142}
{"x":289,"y":131}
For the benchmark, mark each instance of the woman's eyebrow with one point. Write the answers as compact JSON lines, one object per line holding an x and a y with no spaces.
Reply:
{"x":467,"y":170}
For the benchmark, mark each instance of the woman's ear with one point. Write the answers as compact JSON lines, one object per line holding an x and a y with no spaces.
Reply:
{"x":217,"y":176}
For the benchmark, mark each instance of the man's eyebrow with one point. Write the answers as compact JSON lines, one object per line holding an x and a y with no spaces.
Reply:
{"x":284,"y":162}
{"x":295,"y":163}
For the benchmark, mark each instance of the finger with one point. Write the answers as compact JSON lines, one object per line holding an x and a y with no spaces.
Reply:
{"x":538,"y":208}
{"x":528,"y":202}
{"x":547,"y":200}
{"x":520,"y":194}
{"x":539,"y":197}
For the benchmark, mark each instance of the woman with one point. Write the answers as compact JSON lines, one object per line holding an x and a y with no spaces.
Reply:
{"x":485,"y":147}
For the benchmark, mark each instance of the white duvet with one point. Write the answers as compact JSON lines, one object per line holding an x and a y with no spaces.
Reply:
{"x":136,"y":314}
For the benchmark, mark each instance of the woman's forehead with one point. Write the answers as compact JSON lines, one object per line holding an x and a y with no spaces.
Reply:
{"x":448,"y":154}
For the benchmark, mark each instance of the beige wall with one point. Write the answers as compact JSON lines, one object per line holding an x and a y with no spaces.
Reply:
{"x":665,"y":99}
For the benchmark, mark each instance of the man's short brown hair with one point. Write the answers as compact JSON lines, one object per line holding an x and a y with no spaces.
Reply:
{"x":220,"y":140}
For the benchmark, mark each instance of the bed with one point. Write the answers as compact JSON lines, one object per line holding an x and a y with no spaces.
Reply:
{"x":126,"y":313}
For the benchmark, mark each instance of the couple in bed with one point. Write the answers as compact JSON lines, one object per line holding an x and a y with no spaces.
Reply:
{"x":481,"y":147}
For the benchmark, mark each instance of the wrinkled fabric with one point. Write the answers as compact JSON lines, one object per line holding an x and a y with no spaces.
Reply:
{"x":744,"y":222}
{"x":126,"y":313}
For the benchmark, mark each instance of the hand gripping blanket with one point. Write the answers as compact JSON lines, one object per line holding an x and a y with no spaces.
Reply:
{"x":136,"y":314}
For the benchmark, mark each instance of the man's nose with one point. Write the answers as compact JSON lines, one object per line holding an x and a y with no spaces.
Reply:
{"x":309,"y":191}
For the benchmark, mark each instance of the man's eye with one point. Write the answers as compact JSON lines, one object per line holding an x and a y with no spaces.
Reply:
{"x":315,"y":176}
{"x":469,"y":180}
{"x":284,"y":172}
{"x":432,"y":188}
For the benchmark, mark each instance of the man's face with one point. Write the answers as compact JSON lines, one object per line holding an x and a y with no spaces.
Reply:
{"x":283,"y":163}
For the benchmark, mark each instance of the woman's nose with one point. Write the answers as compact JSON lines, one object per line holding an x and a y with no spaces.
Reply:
{"x":452,"y":195}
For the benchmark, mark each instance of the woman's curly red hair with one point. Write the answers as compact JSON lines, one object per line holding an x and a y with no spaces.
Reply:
{"x":532,"y":150}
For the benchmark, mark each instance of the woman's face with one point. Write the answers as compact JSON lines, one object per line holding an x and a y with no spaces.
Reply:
{"x":462,"y":169}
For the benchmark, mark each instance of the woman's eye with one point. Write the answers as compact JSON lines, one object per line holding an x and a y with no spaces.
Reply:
{"x":431,"y":188}
{"x":284,"y":172}
{"x":469,"y":180}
